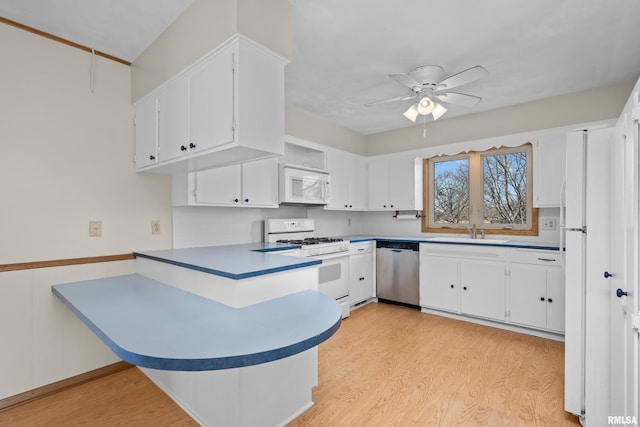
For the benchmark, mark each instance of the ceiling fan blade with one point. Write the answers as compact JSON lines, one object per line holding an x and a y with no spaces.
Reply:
{"x":406,"y":80}
{"x":385,"y":101}
{"x":463,"y":77}
{"x":458,"y":99}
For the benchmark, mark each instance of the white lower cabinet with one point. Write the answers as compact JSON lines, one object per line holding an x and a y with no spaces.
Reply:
{"x":537,"y":290}
{"x":483,"y":286}
{"x":463,"y":279}
{"x":361,"y":272}
{"x":522,"y":287}
{"x":439,"y":285}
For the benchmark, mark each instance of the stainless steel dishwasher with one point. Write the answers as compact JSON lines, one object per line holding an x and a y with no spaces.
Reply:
{"x":397,"y":272}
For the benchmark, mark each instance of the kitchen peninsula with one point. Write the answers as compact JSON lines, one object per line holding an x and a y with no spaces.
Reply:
{"x":229,"y":332}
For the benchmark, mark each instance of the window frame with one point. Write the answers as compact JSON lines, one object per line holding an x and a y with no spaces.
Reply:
{"x":476,"y":194}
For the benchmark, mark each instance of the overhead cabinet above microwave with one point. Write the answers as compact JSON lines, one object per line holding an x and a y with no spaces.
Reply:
{"x":226,"y":108}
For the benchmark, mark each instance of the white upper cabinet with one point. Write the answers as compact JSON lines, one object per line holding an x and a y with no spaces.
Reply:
{"x":250,"y":184}
{"x":226,"y":108}
{"x":147,"y":132}
{"x":173,"y":120}
{"x":260,"y":183}
{"x":347,"y":181}
{"x":210,"y":95}
{"x":548,"y":169}
{"x":395,"y":183}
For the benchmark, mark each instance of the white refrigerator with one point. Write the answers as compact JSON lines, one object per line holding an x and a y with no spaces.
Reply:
{"x":585,"y":234}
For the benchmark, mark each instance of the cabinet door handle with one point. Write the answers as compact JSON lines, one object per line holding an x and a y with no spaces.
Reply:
{"x":547,"y":259}
{"x":542,"y":299}
{"x":236,"y":200}
{"x":464,"y":287}
{"x":152,"y":157}
{"x":246,"y":200}
{"x":550,"y":300}
{"x":192,"y":145}
{"x":452,"y":286}
{"x":183,"y":148}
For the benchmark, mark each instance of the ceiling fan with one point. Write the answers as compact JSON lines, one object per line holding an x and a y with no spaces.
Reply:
{"x":432,"y":91}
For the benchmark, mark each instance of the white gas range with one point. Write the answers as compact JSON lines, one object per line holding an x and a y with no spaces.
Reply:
{"x":333,"y":274}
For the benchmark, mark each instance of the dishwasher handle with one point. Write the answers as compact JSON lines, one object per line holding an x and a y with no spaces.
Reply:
{"x":397,"y":245}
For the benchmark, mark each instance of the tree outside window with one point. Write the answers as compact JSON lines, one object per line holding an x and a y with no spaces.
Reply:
{"x":491,"y":189}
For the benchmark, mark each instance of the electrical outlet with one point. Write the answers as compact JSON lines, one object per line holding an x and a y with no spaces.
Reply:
{"x":549,"y":223}
{"x":155,"y":227}
{"x":95,"y":228}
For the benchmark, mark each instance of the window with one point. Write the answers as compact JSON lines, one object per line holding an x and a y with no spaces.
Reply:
{"x":489,"y":189}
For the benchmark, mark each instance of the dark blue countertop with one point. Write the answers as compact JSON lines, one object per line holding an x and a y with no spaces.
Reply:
{"x":236,"y":262}
{"x":484,"y":242}
{"x":246,"y":260}
{"x":153,"y":325}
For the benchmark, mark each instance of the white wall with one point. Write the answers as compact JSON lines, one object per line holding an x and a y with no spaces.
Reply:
{"x":562,"y":110}
{"x":66,"y":156}
{"x":43,"y":341}
{"x":202,"y":226}
{"x":383,"y":224}
{"x":204,"y":25}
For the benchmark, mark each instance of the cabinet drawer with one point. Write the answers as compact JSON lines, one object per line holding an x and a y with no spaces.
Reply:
{"x":532,"y":256}
{"x":464,"y":251}
{"x":360,"y":248}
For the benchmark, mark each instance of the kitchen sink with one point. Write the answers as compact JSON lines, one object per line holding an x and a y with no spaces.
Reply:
{"x":468,"y":240}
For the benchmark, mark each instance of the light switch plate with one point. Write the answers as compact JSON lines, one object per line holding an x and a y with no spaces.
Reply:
{"x":95,"y":228}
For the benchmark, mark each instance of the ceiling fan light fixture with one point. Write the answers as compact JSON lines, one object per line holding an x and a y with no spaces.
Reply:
{"x":425,"y":106}
{"x":438,"y":111}
{"x":411,"y":113}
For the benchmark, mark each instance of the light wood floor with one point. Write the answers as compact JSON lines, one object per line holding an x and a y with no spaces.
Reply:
{"x":386,"y":366}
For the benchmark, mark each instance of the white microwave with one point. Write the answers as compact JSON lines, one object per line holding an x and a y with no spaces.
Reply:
{"x":301,"y":185}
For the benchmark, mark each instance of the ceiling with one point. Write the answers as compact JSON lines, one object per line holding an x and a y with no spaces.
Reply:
{"x":344,"y":50}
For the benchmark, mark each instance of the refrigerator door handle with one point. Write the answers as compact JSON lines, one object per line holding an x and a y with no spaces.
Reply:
{"x":580,"y":229}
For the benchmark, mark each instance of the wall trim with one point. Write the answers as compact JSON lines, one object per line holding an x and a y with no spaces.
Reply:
{"x":61,"y":40}
{"x":49,"y":389}
{"x":63,"y":262}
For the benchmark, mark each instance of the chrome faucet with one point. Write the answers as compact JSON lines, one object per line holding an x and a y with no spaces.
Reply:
{"x":473,"y":232}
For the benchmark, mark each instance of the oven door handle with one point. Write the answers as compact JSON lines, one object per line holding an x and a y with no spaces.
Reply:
{"x":333,"y":255}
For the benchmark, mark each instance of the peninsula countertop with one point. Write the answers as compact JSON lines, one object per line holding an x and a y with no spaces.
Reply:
{"x":238,"y":261}
{"x":150,"y":324}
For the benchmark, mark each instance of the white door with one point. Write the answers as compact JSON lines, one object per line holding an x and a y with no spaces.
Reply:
{"x":211,"y":102}
{"x":597,"y":344}
{"x":173,"y":120}
{"x":339,"y":169}
{"x":147,"y":132}
{"x":483,"y":289}
{"x":439,"y":283}
{"x":528,"y":295}
{"x":378,"y":184}
{"x":260,"y":183}
{"x":624,"y":368}
{"x":219,"y":186}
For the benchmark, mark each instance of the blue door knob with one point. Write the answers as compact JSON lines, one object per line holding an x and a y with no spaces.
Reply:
{"x":620,"y":293}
